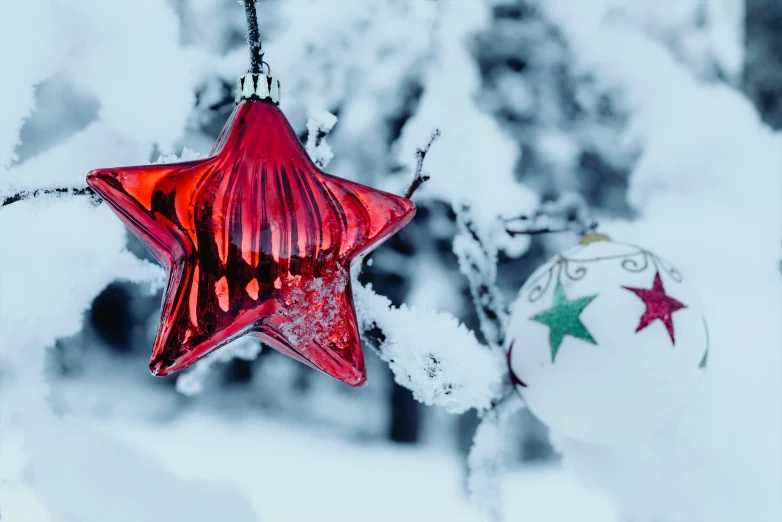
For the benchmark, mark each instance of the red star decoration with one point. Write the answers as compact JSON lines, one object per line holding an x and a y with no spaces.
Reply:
{"x":256,"y":240}
{"x":659,"y":305}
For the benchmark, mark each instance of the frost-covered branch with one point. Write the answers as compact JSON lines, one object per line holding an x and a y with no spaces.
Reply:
{"x":430,"y":353}
{"x":419,"y":178}
{"x":569,"y":213}
{"x":57,"y":192}
{"x":95,"y":199}
{"x":478,"y":262}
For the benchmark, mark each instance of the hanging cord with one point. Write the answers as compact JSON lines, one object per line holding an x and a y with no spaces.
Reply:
{"x":254,"y":39}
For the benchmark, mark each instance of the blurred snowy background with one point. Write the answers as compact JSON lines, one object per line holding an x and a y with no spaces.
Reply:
{"x":660,"y":115}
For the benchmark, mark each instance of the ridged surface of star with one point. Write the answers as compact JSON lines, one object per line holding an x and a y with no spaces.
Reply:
{"x":659,"y":306}
{"x":563,"y":319}
{"x":257,"y":240}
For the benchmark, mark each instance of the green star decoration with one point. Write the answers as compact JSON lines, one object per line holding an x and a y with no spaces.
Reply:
{"x":563,"y":319}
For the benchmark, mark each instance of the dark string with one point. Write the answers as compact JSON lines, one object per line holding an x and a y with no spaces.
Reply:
{"x":254,"y":39}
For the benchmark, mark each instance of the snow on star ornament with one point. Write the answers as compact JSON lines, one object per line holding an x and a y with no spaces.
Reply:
{"x":256,"y":240}
{"x":606,"y":342}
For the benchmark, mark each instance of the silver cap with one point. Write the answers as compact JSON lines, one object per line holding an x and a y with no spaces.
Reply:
{"x":257,"y":87}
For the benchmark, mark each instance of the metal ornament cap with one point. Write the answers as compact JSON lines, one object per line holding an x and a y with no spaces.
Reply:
{"x":257,"y":87}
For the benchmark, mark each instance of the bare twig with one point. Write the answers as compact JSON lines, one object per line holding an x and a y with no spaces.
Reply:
{"x":570,"y":212}
{"x":59,"y":191}
{"x":419,"y":178}
{"x":536,"y":231}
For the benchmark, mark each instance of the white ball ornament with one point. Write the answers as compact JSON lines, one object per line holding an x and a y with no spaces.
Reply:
{"x":606,"y":342}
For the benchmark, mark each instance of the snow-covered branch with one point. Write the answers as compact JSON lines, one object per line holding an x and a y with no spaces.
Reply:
{"x":430,"y":353}
{"x":54,"y":192}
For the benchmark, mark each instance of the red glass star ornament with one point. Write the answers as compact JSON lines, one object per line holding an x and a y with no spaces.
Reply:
{"x":659,"y":305}
{"x":256,"y":240}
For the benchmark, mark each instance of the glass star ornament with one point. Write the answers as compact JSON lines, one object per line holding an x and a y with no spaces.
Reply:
{"x":256,"y":240}
{"x":606,"y":342}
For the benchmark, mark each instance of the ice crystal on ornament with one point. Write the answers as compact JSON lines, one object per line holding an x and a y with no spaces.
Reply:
{"x":312,"y":318}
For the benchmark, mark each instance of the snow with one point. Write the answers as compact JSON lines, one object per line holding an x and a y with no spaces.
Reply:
{"x":318,"y":127}
{"x":113,"y":477}
{"x":706,"y":36}
{"x":143,"y":39}
{"x":67,"y":163}
{"x":486,"y":460}
{"x":34,"y":293}
{"x":473,"y":157}
{"x":187,"y":154}
{"x":289,"y":474}
{"x":29,"y":26}
{"x":191,"y":382}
